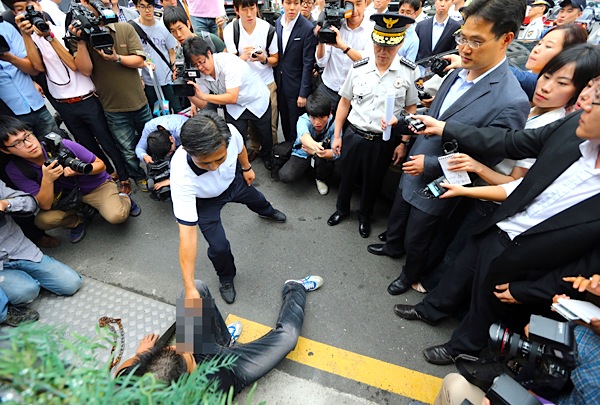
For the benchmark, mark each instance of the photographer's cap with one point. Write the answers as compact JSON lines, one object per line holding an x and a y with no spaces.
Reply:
{"x":389,"y":28}
{"x":580,"y":4}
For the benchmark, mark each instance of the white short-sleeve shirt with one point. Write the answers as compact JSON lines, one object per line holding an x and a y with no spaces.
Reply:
{"x":189,"y":182}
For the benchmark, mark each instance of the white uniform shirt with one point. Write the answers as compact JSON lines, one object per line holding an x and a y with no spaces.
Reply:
{"x":187,"y":185}
{"x":62,"y":81}
{"x":258,"y":39}
{"x":336,"y":63}
{"x":534,"y":30}
{"x":366,"y":89}
{"x":232,"y":72}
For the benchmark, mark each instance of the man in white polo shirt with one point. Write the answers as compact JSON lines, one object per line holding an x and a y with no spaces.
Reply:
{"x":233,"y":84}
{"x":204,"y":177}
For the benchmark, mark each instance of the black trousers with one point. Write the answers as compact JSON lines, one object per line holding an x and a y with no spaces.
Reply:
{"x":209,"y":221}
{"x":332,"y":95}
{"x":296,"y":166}
{"x":87,"y":122}
{"x":263,"y":129}
{"x":363,"y":161}
{"x":289,"y":112}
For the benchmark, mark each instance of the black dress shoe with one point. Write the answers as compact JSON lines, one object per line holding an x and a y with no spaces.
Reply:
{"x":269,"y":164}
{"x":336,"y":218}
{"x":382,"y":236}
{"x":399,"y":286}
{"x":277,"y":216}
{"x":438,"y":355}
{"x":379,"y":250}
{"x":227,"y":291}
{"x":409,"y":313}
{"x":364,"y":229}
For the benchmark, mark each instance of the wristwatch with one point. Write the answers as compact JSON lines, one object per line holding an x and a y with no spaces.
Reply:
{"x":118,"y":59}
{"x":50,"y":37}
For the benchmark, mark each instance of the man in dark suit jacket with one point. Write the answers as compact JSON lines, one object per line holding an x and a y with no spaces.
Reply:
{"x":293,"y":73}
{"x":425,"y":30}
{"x":548,"y":227}
{"x":483,"y":93}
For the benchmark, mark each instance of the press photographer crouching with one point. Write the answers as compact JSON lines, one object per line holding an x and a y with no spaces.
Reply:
{"x":69,"y":182}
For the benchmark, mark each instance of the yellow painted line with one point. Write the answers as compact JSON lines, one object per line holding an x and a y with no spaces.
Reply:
{"x":354,"y":366}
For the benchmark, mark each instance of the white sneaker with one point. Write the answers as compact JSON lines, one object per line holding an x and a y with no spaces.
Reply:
{"x":309,"y":283}
{"x":322,"y":187}
{"x":235,"y":330}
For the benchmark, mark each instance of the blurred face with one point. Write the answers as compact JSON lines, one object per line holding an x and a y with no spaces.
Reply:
{"x":442,"y":6}
{"x":20,"y":6}
{"x":180,"y":31}
{"x":247,"y":14}
{"x":24,"y":145}
{"x":384,"y":55}
{"x":587,"y":94}
{"x":358,"y":13}
{"x":381,"y":5}
{"x":306,"y":8}
{"x":589,"y":122}
{"x":537,"y":10}
{"x":407,"y":11}
{"x":206,"y":65}
{"x":291,"y":8}
{"x":490,"y":51}
{"x":319,"y":122}
{"x":567,"y":15}
{"x":146,"y":10}
{"x":548,"y":47}
{"x":554,"y":90}
{"x":213,"y":161}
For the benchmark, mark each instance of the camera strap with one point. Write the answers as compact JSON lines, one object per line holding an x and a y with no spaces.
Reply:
{"x":144,"y":37}
{"x":236,"y":36}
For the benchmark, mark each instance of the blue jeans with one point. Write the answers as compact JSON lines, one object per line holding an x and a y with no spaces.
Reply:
{"x":21,"y":279}
{"x":124,"y":126}
{"x":205,"y":24}
{"x":41,"y":122}
{"x":3,"y":305}
{"x":257,"y":358}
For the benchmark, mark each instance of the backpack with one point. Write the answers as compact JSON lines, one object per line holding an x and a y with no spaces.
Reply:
{"x":282,"y":152}
{"x":206,"y":37}
{"x":236,"y":36}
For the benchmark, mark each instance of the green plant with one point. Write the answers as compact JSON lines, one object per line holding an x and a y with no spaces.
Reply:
{"x":40,"y":364}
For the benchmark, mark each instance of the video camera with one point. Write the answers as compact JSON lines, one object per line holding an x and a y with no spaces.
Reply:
{"x":185,"y":72}
{"x":4,"y":47}
{"x":36,"y":18}
{"x":436,"y":64}
{"x":57,"y":152}
{"x":85,"y":20}
{"x":157,"y":172}
{"x":332,"y":15}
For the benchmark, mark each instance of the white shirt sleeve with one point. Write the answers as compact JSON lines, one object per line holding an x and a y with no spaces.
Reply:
{"x":511,"y":186}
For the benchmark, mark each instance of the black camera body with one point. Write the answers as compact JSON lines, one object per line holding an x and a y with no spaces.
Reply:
{"x":85,"y":20}
{"x":57,"y":152}
{"x":184,"y":73}
{"x":332,"y":16}
{"x":436,"y":63}
{"x":157,"y":172}
{"x":36,"y":18}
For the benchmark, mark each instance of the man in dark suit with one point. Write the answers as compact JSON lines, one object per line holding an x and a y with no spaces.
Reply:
{"x":293,"y":73}
{"x":547,"y":228}
{"x":436,"y":33}
{"x":482,"y":93}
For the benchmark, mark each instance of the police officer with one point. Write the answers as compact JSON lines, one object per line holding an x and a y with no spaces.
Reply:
{"x":366,"y":155}
{"x":534,"y":30}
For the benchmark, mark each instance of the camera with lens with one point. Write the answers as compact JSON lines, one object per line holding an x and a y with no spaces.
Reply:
{"x":332,"y":16}
{"x":85,"y":20}
{"x":36,"y":18}
{"x":184,"y":73}
{"x":57,"y":152}
{"x":157,"y":172}
{"x":436,"y":64}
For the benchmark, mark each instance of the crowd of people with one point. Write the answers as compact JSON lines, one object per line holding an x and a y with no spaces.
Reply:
{"x":499,"y":249}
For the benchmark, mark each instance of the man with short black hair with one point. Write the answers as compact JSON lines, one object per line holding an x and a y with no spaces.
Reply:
{"x":410,"y":45}
{"x":436,"y":33}
{"x":570,"y":10}
{"x":205,"y":176}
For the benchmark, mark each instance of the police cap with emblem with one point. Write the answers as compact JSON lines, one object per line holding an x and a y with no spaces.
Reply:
{"x":389,"y":28}
{"x":548,"y":3}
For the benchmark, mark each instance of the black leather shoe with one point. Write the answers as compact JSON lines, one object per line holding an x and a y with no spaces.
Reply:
{"x":438,"y":355}
{"x":336,"y":218}
{"x":409,"y":313}
{"x":364,"y":228}
{"x":399,"y":286}
{"x":379,"y":250}
{"x":269,"y":164}
{"x":277,"y":216}
{"x":382,"y":236}
{"x":227,"y":291}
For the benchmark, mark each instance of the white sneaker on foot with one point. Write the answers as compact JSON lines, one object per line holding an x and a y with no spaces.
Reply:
{"x":309,"y":283}
{"x":322,"y":187}
{"x":235,"y":330}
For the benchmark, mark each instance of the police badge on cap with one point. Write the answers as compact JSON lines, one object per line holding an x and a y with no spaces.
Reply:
{"x":389,"y":28}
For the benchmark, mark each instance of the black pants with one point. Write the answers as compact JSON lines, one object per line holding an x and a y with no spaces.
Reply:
{"x":86,"y":121}
{"x":209,"y":221}
{"x":332,"y":95}
{"x":363,"y":161}
{"x":263,"y":129}
{"x":296,"y":166}
{"x":289,"y":112}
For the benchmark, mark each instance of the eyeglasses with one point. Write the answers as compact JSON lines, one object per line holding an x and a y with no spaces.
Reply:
{"x":307,"y":3}
{"x":460,"y":40}
{"x":407,"y":13}
{"x":20,"y":143}
{"x":148,"y":7}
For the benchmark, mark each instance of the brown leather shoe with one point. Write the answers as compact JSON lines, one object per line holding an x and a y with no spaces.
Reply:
{"x":252,"y":154}
{"x":47,"y":241}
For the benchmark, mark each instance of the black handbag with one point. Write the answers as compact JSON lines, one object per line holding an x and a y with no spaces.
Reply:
{"x":70,"y":202}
